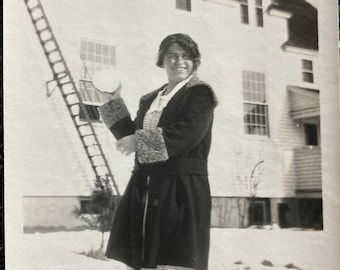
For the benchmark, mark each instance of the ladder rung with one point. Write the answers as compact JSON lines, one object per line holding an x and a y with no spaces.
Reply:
{"x":33,"y":8}
{"x":54,"y":69}
{"x":47,"y":28}
{"x":73,"y":104}
{"x":83,"y":125}
{"x":54,"y":61}
{"x":62,"y":75}
{"x":63,"y":83}
{"x":52,"y":51}
{"x":47,"y":40}
{"x":91,"y":145}
{"x":99,"y":165}
{"x":35,"y":20}
{"x":87,"y":135}
{"x":68,"y":94}
{"x":93,"y":156}
{"x":57,"y":62}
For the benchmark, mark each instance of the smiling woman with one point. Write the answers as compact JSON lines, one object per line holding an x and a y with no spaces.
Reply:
{"x":163,"y":220}
{"x":178,"y":65}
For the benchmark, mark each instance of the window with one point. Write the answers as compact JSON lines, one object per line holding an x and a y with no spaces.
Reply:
{"x":307,"y":71}
{"x":259,"y":212}
{"x":244,"y":12}
{"x":92,"y":112}
{"x":255,"y":109}
{"x":259,"y":13}
{"x":86,"y":207}
{"x":94,"y":56}
{"x":253,"y":5}
{"x":89,"y":93}
{"x":311,"y":134}
{"x":183,"y":5}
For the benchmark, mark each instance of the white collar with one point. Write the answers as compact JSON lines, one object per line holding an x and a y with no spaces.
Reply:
{"x":161,"y":101}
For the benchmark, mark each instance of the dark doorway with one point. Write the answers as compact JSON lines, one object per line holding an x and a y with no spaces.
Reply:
{"x":259,"y":212}
{"x":310,"y":213}
{"x":311,"y":134}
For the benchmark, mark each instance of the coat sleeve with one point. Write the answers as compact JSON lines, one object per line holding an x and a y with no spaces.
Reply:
{"x":162,"y":143}
{"x":117,"y":118}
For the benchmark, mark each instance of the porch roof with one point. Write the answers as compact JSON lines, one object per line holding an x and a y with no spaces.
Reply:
{"x":303,"y":102}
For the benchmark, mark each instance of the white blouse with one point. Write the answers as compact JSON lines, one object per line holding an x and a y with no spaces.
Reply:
{"x":154,"y":113}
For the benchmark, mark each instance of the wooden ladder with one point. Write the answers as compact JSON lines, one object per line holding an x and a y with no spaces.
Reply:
{"x":64,"y":81}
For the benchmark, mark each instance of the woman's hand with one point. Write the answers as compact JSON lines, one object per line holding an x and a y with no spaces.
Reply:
{"x":127,"y":145}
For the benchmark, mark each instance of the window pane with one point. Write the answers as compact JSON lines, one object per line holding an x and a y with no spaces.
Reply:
{"x":259,"y":17}
{"x":254,"y":83}
{"x":255,"y":119}
{"x":261,"y":77}
{"x":262,"y":98}
{"x":308,"y":77}
{"x":106,"y":60}
{"x":183,"y":4}
{"x":90,"y":47}
{"x":263,"y":131}
{"x":92,"y":112}
{"x":246,"y":95}
{"x":244,"y":14}
{"x":105,"y":50}
{"x":307,"y":65}
{"x":83,"y":56}
{"x":112,"y":51}
{"x":98,"y":59}
{"x":95,"y":56}
{"x":98,"y":48}
{"x":90,"y":57}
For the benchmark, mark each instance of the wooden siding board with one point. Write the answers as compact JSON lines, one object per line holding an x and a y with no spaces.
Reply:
{"x":308,"y":168}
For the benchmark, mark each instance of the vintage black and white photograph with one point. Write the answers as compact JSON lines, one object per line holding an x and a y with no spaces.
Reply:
{"x":171,"y":134}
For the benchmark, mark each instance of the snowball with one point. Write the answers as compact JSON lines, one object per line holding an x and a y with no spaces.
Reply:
{"x":107,"y":80}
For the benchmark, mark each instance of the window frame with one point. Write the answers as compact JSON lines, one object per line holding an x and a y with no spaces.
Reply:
{"x":259,"y":13}
{"x":244,"y":9}
{"x":94,"y":56}
{"x":255,"y":120}
{"x":307,"y":71}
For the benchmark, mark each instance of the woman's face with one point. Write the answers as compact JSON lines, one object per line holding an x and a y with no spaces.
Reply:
{"x":177,"y":63}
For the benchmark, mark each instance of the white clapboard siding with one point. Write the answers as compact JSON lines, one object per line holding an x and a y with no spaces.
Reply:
{"x":308,"y":168}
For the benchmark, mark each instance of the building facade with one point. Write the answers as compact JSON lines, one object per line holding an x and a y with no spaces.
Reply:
{"x":265,"y":161}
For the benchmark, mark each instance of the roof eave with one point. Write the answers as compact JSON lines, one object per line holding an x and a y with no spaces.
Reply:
{"x":230,"y":3}
{"x":299,"y":50}
{"x":274,"y":10}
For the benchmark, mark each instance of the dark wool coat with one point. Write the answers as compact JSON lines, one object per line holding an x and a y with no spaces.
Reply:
{"x":164,"y":215}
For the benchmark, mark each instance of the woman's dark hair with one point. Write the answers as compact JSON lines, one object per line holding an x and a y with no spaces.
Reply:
{"x":183,"y":40}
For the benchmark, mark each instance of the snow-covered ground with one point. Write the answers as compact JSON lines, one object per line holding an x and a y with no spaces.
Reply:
{"x":231,"y":249}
